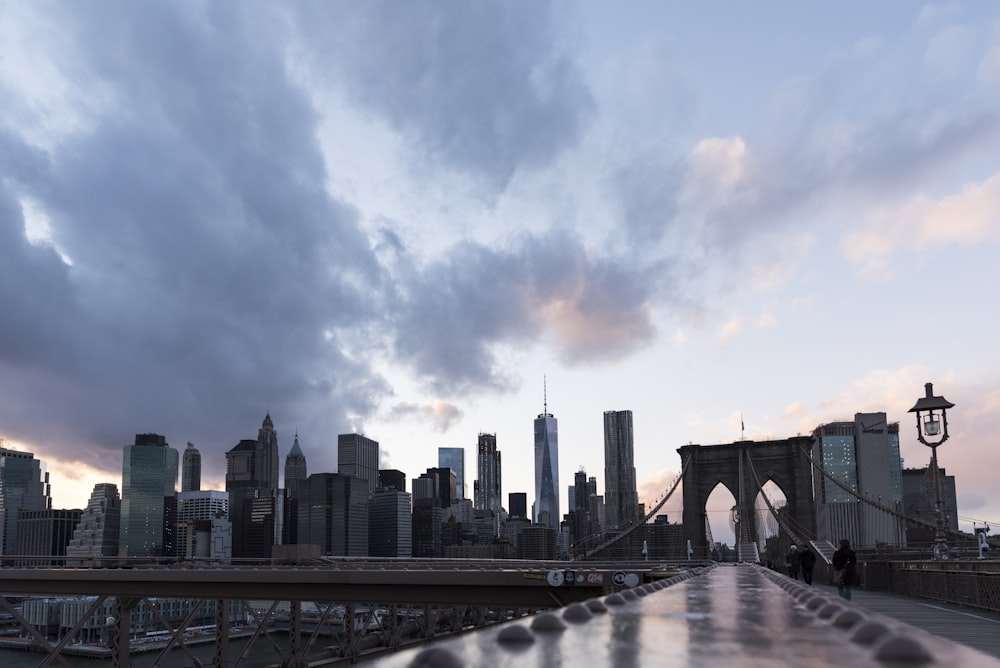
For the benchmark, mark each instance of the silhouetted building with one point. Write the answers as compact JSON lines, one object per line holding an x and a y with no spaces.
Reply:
{"x":390,"y":524}
{"x":665,"y":540}
{"x":487,"y":486}
{"x":295,"y":464}
{"x":191,"y":469}
{"x":620,"y":495}
{"x":149,"y":481}
{"x":427,"y":528}
{"x":336,"y":515}
{"x":266,"y":457}
{"x":392,"y":479}
{"x":260,"y":526}
{"x":42,"y":535}
{"x":517,"y":503}
{"x":919,"y":503}
{"x":358,"y":456}
{"x":242,"y":484}
{"x":583,"y":530}
{"x":24,"y":485}
{"x":443,"y":483}
{"x":95,"y":539}
{"x":537,"y":543}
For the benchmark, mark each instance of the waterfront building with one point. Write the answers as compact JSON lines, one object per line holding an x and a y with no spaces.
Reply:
{"x":24,"y":485}
{"x":149,"y":481}
{"x":95,"y":539}
{"x":203,"y":527}
{"x":42,"y":535}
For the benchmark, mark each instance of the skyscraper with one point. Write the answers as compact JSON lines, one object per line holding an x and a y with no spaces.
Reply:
{"x":390,"y":523}
{"x":295,"y":464}
{"x":487,"y":487}
{"x":517,"y":505}
{"x":96,"y":536}
{"x":191,"y":469}
{"x":863,"y":457}
{"x":203,"y":526}
{"x":546,"y":509}
{"x":149,"y":481}
{"x":24,"y":485}
{"x":335,"y":516}
{"x":242,"y":485}
{"x":357,"y":456}
{"x":266,"y":459}
{"x":454,"y":459}
{"x":620,"y":493}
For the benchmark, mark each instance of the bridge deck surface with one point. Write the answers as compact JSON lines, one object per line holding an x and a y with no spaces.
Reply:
{"x":975,"y":628}
{"x":729,"y":616}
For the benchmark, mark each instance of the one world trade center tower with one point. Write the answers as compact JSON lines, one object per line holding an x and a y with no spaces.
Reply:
{"x":546,"y":468}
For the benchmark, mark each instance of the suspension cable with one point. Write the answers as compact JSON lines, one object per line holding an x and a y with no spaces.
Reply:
{"x":876,"y":504}
{"x":608,"y":543}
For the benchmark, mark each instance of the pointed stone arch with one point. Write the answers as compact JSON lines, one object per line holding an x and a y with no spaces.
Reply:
{"x":779,"y":461}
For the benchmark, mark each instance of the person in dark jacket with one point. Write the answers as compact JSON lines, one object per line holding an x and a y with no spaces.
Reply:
{"x":792,"y":562}
{"x":807,"y":560}
{"x":845,"y":569}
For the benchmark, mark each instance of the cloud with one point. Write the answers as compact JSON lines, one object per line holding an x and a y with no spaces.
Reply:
{"x":442,"y":414}
{"x":729,"y":329}
{"x":212,"y":273}
{"x":462,"y":311}
{"x":964,"y":218}
{"x":479,"y":88}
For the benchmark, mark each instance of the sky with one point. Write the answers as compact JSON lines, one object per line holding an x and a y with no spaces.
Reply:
{"x":423,"y":220}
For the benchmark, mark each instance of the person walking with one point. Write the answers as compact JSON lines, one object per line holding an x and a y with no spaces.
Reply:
{"x":845,"y":569}
{"x":792,"y":562}
{"x":807,"y":561}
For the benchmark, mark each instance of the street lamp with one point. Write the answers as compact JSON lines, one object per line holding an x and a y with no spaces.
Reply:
{"x":932,"y":431}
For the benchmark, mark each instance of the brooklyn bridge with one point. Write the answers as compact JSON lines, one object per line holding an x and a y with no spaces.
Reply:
{"x":615,"y":602}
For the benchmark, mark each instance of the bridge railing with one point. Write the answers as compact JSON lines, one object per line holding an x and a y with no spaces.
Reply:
{"x":970,"y":584}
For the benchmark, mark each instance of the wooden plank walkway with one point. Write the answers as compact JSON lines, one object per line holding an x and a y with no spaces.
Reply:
{"x":979,"y":629}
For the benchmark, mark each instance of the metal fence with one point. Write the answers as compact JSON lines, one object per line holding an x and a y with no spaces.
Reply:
{"x":969,"y":584}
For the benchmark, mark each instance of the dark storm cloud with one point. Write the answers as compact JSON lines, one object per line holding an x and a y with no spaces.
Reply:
{"x":478,"y":299}
{"x":212,"y":276}
{"x":481,"y":87}
{"x":34,"y":282}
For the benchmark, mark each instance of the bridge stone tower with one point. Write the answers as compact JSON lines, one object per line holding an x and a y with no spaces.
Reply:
{"x":783,"y":462}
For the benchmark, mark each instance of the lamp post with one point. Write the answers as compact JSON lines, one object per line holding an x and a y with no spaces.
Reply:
{"x":932,"y":431}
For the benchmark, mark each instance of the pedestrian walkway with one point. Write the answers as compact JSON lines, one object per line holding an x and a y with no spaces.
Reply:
{"x":979,"y":629}
{"x":730,"y":615}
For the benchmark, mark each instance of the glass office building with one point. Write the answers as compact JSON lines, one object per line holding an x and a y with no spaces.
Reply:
{"x":149,"y":481}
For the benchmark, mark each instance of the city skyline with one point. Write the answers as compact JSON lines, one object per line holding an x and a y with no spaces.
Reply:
{"x":764,"y":218}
